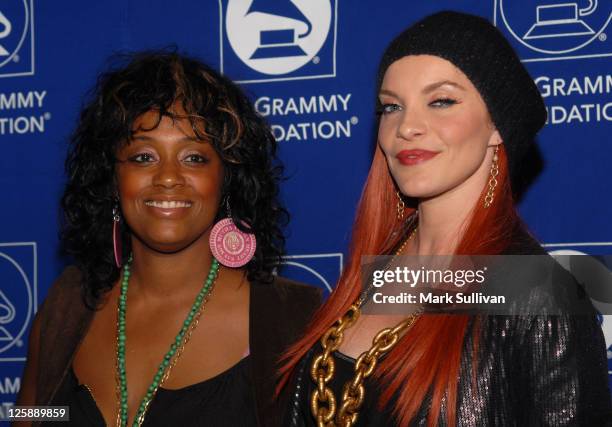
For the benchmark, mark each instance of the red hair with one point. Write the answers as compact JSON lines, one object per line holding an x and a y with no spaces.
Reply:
{"x":428,"y":356}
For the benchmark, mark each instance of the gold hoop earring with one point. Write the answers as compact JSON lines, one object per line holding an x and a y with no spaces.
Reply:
{"x":488,"y":201}
{"x":401,"y":206}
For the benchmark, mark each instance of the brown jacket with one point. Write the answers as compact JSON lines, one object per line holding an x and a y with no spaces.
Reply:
{"x":278,"y":314}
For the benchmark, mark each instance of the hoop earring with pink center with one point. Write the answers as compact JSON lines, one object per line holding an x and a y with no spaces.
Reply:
{"x":117,"y":249}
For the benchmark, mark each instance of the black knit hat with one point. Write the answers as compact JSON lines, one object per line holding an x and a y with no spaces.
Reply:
{"x":478,"y":49}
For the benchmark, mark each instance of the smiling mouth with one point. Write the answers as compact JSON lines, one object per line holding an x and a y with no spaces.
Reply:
{"x":165,"y":204}
{"x":415,"y":156}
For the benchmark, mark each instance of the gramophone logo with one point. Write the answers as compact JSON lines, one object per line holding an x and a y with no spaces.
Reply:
{"x":276,"y":40}
{"x":606,"y":326}
{"x":546,"y":30}
{"x":17,"y":298}
{"x":585,"y":248}
{"x":16,"y":38}
{"x":322,"y":270}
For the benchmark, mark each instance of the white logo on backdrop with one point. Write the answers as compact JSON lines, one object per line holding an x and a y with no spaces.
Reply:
{"x":556,"y":28}
{"x":276,"y":37}
{"x":14,"y":32}
{"x":561,"y":20}
{"x":606,"y":319}
{"x":315,"y":277}
{"x":7,"y":314}
{"x":17,"y":301}
{"x":7,"y":28}
{"x":606,"y":326}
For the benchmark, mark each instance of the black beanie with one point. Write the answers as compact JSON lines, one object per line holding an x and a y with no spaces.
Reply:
{"x":482,"y":53}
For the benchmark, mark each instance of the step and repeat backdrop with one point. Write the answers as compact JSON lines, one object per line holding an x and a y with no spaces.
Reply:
{"x":315,"y":85}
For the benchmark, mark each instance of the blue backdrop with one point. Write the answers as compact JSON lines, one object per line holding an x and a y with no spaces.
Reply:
{"x":309,"y":66}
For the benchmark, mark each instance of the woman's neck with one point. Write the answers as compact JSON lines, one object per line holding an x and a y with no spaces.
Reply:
{"x":444,"y":218}
{"x":440,"y":227}
{"x":158,"y":275}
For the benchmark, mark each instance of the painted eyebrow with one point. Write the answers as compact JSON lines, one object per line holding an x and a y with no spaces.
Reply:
{"x":427,"y":89}
{"x":387,"y":92}
{"x":433,"y":86}
{"x":183,"y":139}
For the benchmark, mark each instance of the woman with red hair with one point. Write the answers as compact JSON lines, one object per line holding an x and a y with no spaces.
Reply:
{"x":457,"y":114}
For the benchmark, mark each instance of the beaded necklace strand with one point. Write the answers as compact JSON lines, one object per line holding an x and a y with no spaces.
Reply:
{"x":170,"y":358}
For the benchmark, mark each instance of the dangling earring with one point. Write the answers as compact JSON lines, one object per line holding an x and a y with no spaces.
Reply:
{"x":117,"y":235}
{"x":488,"y":201}
{"x":230,"y":246}
{"x":401,"y":206}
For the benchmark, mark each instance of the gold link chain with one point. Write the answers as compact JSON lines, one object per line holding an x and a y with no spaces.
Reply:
{"x":323,"y":402}
{"x":488,"y":201}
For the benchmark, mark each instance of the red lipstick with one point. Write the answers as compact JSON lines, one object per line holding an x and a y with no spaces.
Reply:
{"x":414,"y":157}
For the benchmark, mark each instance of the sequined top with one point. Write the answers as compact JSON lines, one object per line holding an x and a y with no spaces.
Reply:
{"x":539,"y":370}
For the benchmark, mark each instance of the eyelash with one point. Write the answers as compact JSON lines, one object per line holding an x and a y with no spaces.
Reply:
{"x":437,"y":103}
{"x":201,"y":158}
{"x":443,"y":103}
{"x":139,"y":158}
{"x":387,"y":109}
{"x":147,"y":158}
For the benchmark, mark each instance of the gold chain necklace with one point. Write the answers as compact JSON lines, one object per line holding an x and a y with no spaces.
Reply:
{"x":323,"y":403}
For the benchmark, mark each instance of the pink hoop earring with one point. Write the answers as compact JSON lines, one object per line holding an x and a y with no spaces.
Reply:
{"x":117,"y":250}
{"x":229,"y":245}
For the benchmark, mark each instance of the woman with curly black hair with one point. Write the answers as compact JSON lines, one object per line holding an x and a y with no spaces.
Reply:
{"x":172,"y":314}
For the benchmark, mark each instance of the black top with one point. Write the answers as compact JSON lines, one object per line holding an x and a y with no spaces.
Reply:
{"x":223,"y":400}
{"x":538,"y":370}
{"x":299,"y":413}
{"x":278,"y":313}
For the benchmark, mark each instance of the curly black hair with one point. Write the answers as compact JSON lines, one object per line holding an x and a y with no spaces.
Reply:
{"x":217,"y":110}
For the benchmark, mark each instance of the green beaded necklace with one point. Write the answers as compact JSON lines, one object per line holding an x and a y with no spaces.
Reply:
{"x":170,"y":358}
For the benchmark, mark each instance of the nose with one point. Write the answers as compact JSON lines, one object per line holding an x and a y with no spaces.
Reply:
{"x":169,"y":175}
{"x":410,"y":127}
